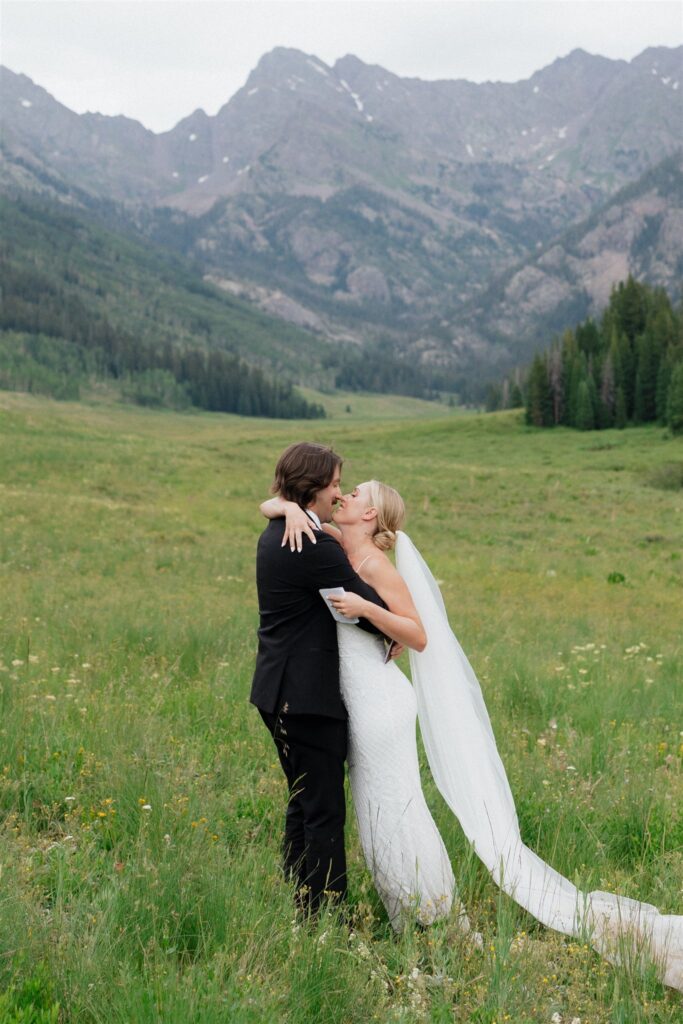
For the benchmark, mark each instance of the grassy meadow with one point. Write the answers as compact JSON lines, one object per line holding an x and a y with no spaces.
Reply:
{"x":140,"y":800}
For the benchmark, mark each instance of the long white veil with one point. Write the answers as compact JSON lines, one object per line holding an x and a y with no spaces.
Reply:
{"x":464,"y":760}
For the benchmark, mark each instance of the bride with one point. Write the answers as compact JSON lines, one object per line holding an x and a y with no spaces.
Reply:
{"x":400,"y":841}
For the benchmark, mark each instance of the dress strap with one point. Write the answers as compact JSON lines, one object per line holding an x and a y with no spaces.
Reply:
{"x":364,"y":561}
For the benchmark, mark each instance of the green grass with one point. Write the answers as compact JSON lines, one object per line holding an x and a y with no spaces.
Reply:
{"x":140,"y":800}
{"x":362,"y":405}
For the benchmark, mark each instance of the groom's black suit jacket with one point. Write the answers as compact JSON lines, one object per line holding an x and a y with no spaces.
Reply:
{"x":298,"y":658}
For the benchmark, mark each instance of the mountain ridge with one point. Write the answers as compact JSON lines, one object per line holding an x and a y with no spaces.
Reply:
{"x":364,"y":205}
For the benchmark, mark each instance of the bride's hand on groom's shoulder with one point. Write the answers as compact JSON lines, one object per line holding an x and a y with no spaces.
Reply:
{"x":297,"y":524}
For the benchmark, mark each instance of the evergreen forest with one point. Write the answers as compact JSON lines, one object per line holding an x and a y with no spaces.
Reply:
{"x":87,"y":299}
{"x":81,"y":304}
{"x":625,"y":369}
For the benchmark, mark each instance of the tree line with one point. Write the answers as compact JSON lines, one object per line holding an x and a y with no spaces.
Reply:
{"x":377,"y":367}
{"x":626,"y":368}
{"x":34,"y":305}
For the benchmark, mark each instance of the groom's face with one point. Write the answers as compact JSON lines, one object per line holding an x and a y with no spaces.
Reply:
{"x":325,"y":500}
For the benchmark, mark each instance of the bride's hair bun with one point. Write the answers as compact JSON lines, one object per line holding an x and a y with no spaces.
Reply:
{"x":391,"y":513}
{"x":384,"y":540}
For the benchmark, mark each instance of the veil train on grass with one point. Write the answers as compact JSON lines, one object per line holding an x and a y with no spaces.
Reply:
{"x":466,"y":766}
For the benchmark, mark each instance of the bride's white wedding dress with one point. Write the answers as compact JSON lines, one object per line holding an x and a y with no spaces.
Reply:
{"x":400,"y":840}
{"x":401,"y":843}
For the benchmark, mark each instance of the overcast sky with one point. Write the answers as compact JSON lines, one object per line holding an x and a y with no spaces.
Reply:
{"x":157,"y":61}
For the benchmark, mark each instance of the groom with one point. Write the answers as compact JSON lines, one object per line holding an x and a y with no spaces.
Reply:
{"x":296,"y":681}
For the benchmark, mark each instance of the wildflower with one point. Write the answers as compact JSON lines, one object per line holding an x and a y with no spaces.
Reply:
{"x":556,"y":1018}
{"x":33,"y":658}
{"x":69,"y":799}
{"x":50,"y":696}
{"x":146,"y":807}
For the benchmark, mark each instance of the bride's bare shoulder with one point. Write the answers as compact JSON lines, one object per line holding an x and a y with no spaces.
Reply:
{"x":381,"y":573}
{"x":380,"y":567}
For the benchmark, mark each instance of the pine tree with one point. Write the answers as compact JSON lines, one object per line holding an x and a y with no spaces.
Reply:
{"x":607,"y":393}
{"x":556,"y":383}
{"x":663,"y":381}
{"x":628,"y":374}
{"x":585,"y":419}
{"x":588,"y":337}
{"x":645,"y":404}
{"x":539,"y":412}
{"x":595,"y":399}
{"x":674,"y":405}
{"x":629,"y":303}
{"x":620,"y":418}
{"x":516,"y":398}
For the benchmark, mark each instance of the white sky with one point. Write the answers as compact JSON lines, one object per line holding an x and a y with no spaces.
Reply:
{"x":157,"y":60}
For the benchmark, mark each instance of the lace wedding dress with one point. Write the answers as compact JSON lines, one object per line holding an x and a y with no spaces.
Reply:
{"x":464,"y":761}
{"x":401,"y":843}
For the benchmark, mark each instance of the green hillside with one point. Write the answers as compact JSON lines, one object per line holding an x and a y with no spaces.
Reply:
{"x":84,"y":294}
{"x":80,"y":299}
{"x":141,"y":289}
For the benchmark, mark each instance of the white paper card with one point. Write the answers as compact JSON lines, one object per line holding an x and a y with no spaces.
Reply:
{"x":325,"y":593}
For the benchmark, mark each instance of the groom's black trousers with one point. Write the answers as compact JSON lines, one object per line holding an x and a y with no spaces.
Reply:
{"x":312,"y":751}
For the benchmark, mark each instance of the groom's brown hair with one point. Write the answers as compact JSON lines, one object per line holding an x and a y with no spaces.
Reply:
{"x":303,"y":469}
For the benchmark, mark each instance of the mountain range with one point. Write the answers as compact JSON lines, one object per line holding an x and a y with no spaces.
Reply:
{"x":455,"y":223}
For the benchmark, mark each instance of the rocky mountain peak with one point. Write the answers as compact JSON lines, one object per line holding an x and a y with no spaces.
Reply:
{"x":286,"y":68}
{"x":359,"y":197}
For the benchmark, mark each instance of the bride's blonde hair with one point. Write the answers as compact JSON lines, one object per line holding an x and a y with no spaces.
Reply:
{"x":391,"y":513}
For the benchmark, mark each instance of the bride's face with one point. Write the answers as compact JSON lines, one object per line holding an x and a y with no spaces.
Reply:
{"x":353,"y":506}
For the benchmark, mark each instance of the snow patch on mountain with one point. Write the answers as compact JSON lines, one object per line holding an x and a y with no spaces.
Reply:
{"x":317,"y":67}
